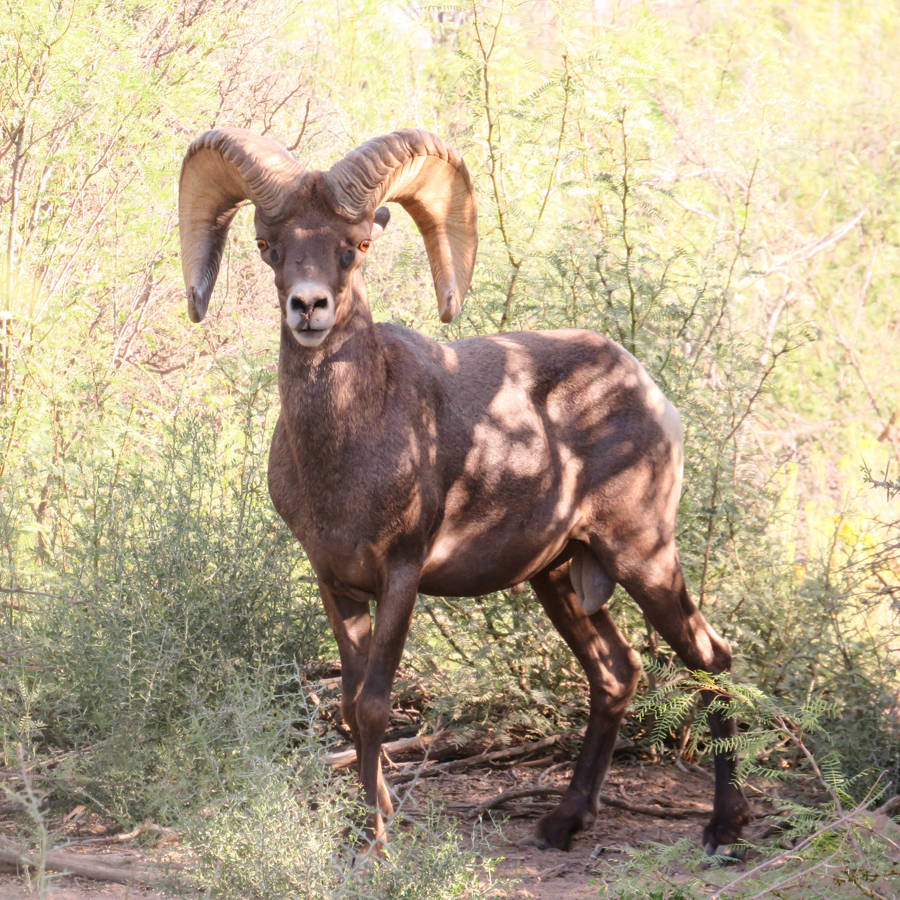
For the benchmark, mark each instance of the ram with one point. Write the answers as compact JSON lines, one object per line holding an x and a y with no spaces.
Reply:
{"x":403,"y":465}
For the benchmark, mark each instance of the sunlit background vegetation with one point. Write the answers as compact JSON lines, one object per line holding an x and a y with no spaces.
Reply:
{"x":714,"y":184}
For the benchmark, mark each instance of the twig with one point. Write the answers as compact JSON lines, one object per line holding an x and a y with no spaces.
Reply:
{"x":296,"y":143}
{"x":629,"y":247}
{"x":490,"y":756}
{"x":166,"y":835}
{"x":516,"y":793}
{"x":659,"y":812}
{"x":518,"y":262}
{"x":854,"y":362}
{"x":798,"y":742}
{"x":693,"y":769}
{"x":446,"y":635}
{"x":553,"y":871}
{"x":554,"y":768}
{"x":30,"y":593}
{"x":535,"y":763}
{"x":48,"y":763}
{"x":807,"y":251}
{"x":493,"y":151}
{"x":323,"y":683}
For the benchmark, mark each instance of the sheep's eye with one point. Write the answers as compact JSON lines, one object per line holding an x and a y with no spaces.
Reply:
{"x":364,"y":245}
{"x":262,"y":245}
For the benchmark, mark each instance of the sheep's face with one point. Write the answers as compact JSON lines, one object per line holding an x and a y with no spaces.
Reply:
{"x":316,"y":257}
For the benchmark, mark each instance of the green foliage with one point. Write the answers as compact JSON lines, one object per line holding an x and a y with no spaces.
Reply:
{"x":262,"y":843}
{"x":264,"y":823}
{"x":846,"y":859}
{"x":838,"y":844}
{"x":271,"y":825}
{"x":176,"y":582}
{"x":523,"y":679}
{"x":417,"y":865}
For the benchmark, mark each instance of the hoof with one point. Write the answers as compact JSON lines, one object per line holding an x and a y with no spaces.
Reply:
{"x":555,"y":835}
{"x":556,"y":828}
{"x":726,"y":825}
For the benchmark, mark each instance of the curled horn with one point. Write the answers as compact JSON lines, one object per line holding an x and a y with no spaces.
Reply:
{"x":222,"y":169}
{"x":429,"y":179}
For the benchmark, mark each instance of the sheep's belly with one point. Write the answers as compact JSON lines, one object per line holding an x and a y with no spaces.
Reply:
{"x":468,"y":562}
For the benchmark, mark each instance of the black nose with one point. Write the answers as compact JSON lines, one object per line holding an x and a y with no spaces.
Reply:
{"x":301,"y":306}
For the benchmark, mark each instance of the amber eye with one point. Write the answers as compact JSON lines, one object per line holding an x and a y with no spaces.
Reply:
{"x":364,"y":245}
{"x":262,"y":245}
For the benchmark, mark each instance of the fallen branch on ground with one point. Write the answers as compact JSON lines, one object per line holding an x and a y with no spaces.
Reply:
{"x":340,"y":759}
{"x":515,"y":793}
{"x":659,"y":812}
{"x":83,"y":865}
{"x":47,"y":763}
{"x":166,"y":835}
{"x":553,"y":871}
{"x":454,"y":765}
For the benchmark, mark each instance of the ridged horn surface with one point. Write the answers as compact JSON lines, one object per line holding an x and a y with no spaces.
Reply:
{"x":222,"y":169}
{"x":426,"y":176}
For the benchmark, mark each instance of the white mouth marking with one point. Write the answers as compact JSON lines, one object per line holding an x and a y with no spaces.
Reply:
{"x":310,"y":338}
{"x":309,"y":312}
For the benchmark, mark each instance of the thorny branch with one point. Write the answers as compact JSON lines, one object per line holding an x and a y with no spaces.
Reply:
{"x":493,"y":136}
{"x":737,"y":421}
{"x":629,"y":247}
{"x":495,"y":158}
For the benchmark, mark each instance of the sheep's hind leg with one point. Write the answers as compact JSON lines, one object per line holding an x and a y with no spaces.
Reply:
{"x":657,"y":585}
{"x":612,"y":668}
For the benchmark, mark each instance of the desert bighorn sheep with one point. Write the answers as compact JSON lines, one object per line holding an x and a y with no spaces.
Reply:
{"x":404,"y":465}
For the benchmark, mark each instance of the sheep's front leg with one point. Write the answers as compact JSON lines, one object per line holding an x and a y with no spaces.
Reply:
{"x":352,"y":627}
{"x":394,"y":608}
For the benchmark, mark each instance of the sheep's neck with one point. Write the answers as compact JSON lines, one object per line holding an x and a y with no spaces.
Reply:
{"x":329,"y":395}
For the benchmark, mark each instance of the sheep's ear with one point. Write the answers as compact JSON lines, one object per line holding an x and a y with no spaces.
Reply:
{"x":382,"y":217}
{"x":428,"y":178}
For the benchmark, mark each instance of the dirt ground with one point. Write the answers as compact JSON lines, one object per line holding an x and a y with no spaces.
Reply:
{"x":531,"y":872}
{"x":578,"y":873}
